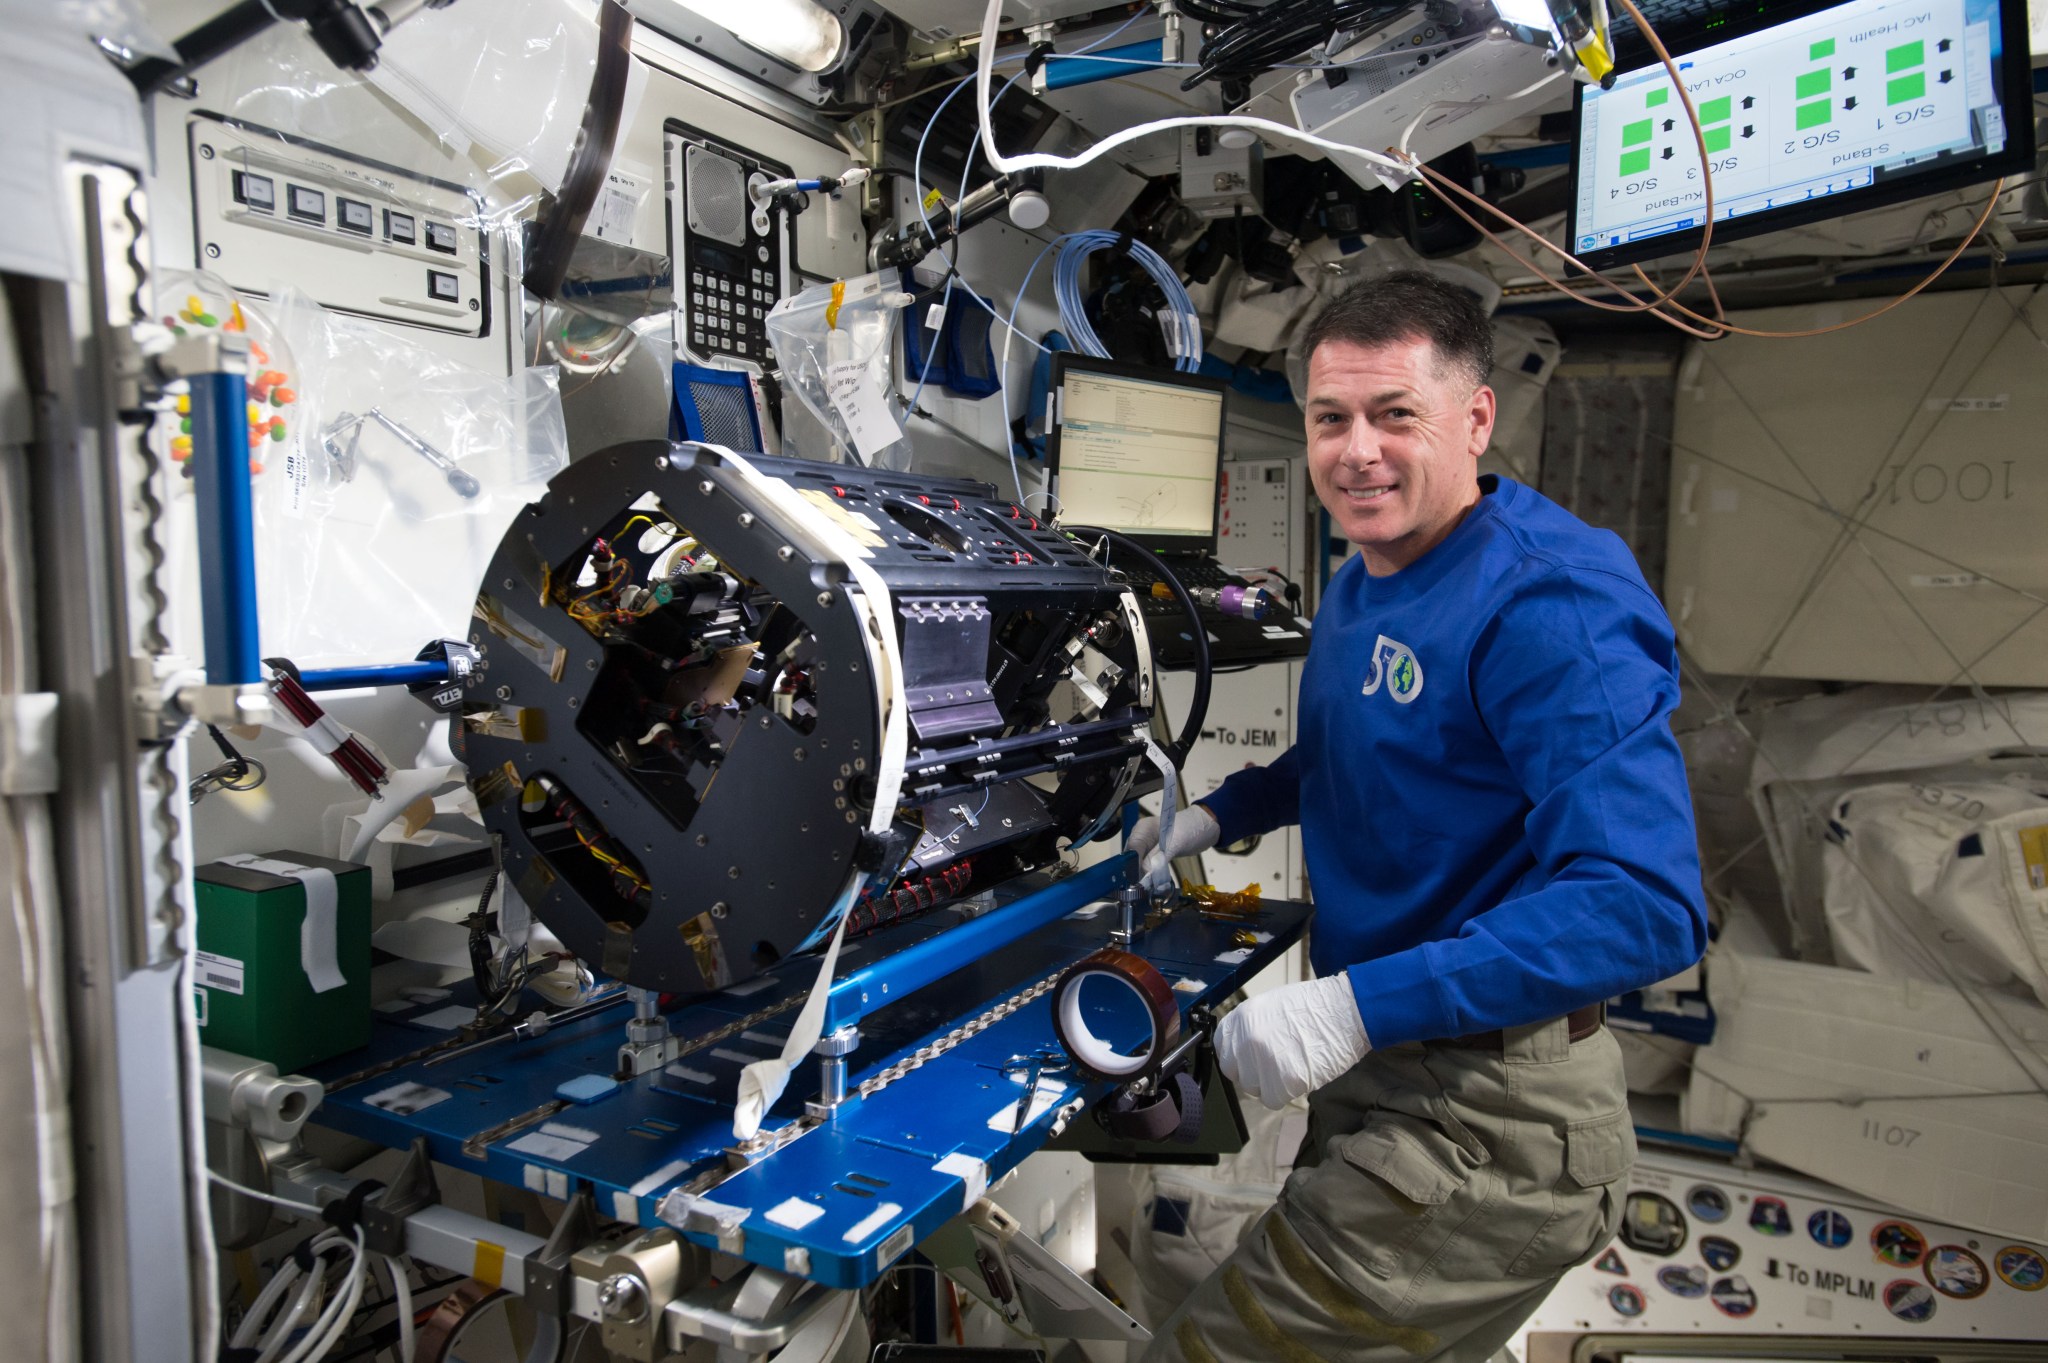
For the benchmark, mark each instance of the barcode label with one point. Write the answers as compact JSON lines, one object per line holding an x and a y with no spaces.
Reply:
{"x":219,"y":972}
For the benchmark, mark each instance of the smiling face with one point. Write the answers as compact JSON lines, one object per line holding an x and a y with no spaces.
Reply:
{"x":1394,"y":439}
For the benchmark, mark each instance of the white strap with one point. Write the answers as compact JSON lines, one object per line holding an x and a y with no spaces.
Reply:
{"x":762,"y":1082}
{"x":1169,"y":808}
{"x":320,"y":930}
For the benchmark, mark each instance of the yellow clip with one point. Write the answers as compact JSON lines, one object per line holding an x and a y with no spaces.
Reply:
{"x":933,"y":200}
{"x":832,"y":308}
{"x":1593,"y":56}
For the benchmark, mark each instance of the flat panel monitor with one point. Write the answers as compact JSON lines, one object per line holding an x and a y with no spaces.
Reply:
{"x":1137,"y":450}
{"x":1832,"y":111}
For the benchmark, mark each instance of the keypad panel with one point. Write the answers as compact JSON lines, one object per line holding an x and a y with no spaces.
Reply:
{"x":725,"y":292}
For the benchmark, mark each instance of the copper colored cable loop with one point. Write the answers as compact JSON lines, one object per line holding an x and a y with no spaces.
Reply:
{"x":1438,"y":183}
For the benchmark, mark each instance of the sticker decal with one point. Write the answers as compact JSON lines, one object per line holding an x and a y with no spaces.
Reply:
{"x":1733,"y":1296}
{"x":1720,"y":1253}
{"x":1610,"y":1262}
{"x":1394,"y":665}
{"x":1909,"y":1300}
{"x":1897,"y":1243}
{"x":1626,"y":1300}
{"x":2022,"y":1268}
{"x":1955,"y":1272}
{"x":1683,"y":1280}
{"x":1829,"y":1228}
{"x":1767,"y":1216}
{"x":1708,"y":1203}
{"x":1652,"y":1223}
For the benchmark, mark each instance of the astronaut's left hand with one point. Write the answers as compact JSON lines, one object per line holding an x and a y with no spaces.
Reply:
{"x":1289,"y":1041}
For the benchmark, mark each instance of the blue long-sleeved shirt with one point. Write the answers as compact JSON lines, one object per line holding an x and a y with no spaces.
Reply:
{"x":1493,"y":809}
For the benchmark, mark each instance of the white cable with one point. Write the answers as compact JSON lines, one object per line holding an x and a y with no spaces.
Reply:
{"x":334,"y":1322}
{"x":251,"y":1327}
{"x":305,"y":1209}
{"x":401,"y":1289}
{"x":1003,"y":374}
{"x":281,"y":1329}
{"x":991,"y":25}
{"x":1423,"y":112}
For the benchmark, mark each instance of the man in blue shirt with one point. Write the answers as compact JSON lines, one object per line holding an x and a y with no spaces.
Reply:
{"x":1498,"y":832}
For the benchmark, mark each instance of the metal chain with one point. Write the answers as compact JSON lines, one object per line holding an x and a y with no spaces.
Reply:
{"x":768,"y":1142}
{"x":474,"y":1147}
{"x":732,"y":1029}
{"x":881,"y":1079}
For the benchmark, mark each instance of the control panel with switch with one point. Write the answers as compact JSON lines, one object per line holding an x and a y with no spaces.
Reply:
{"x":358,"y":236}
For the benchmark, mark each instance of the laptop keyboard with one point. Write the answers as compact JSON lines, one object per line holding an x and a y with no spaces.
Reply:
{"x":1194,"y":573}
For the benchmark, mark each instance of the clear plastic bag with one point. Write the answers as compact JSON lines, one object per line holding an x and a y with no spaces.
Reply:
{"x":120,"y":22}
{"x":487,"y":96}
{"x":832,"y":342}
{"x":511,"y":76}
{"x":402,"y":475}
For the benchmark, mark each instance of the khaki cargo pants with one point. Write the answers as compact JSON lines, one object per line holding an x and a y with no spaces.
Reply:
{"x":1440,"y":1195}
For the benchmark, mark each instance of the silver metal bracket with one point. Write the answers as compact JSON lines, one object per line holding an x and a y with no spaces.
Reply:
{"x":247,"y":703}
{"x":1133,"y":902}
{"x":649,"y":1043}
{"x":832,"y":1052}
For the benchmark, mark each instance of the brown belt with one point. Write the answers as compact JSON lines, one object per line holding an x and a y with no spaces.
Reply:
{"x":1582,"y":1022}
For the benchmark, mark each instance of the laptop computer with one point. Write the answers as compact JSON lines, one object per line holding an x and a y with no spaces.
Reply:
{"x":1139,"y":450}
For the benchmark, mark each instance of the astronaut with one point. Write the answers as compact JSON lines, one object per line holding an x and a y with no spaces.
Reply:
{"x":1497,"y":826}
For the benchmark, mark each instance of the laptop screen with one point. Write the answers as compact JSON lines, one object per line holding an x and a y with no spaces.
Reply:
{"x":1137,"y":450}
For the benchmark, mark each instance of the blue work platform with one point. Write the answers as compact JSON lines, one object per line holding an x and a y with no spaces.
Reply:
{"x":843,"y":1199}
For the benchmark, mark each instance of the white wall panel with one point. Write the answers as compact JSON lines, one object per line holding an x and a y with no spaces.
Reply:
{"x":1924,"y":431}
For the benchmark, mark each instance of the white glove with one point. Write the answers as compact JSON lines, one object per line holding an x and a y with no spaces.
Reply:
{"x":1289,"y":1041}
{"x":1194,"y":831}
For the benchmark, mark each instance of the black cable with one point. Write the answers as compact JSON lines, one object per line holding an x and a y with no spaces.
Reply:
{"x":217,"y":36}
{"x":1253,"y":39}
{"x":1198,"y":708}
{"x":480,"y":955}
{"x":562,"y":227}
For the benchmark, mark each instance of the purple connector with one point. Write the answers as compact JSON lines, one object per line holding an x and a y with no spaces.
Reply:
{"x":1250,"y":602}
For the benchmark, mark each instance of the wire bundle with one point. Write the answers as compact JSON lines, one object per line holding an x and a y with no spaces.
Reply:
{"x":1183,"y":337}
{"x":271,"y":1323}
{"x":1253,"y":39}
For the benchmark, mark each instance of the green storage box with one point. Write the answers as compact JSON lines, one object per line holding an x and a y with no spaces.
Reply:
{"x":270,"y":985}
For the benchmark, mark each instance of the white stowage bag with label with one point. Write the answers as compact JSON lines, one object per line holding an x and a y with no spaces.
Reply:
{"x":1935,"y":881}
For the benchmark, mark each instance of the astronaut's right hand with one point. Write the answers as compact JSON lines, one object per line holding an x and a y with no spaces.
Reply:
{"x":1194,"y":831}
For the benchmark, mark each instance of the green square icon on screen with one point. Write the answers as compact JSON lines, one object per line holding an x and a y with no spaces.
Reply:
{"x":1635,"y":162}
